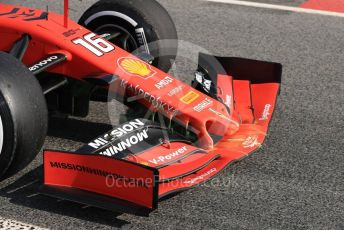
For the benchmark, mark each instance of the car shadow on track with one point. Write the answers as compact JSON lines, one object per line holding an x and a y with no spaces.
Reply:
{"x":76,"y":130}
{"x":25,"y":190}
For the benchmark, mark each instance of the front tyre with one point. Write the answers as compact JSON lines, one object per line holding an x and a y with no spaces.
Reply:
{"x":135,"y":25}
{"x":23,"y":116}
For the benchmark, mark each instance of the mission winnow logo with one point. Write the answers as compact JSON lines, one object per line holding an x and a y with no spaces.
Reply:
{"x":121,"y":138}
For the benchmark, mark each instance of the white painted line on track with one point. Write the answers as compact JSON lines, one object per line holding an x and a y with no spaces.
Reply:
{"x":9,"y":224}
{"x":278,"y":7}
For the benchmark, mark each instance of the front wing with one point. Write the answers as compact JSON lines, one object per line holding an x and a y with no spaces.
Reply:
{"x":132,"y":177}
{"x":229,"y":112}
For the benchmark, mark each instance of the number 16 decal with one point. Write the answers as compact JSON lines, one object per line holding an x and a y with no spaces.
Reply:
{"x":98,"y":46}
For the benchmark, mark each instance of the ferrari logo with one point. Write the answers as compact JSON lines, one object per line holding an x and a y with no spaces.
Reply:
{"x":136,"y":67}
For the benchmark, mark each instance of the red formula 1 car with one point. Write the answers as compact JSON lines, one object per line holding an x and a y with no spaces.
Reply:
{"x":50,"y":64}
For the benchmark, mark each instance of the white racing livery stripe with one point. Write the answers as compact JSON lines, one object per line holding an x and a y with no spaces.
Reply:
{"x":111,"y":13}
{"x":278,"y":7}
{"x":16,"y":225}
{"x":1,"y":135}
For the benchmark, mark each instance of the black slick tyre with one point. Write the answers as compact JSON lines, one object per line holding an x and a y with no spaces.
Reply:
{"x":23,"y":116}
{"x":135,"y":25}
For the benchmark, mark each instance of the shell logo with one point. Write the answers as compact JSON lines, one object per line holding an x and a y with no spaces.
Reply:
{"x":144,"y":163}
{"x":136,"y":67}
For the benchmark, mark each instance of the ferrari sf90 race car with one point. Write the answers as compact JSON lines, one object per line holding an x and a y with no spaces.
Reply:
{"x":50,"y":64}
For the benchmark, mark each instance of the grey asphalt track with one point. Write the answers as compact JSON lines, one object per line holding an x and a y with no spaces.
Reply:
{"x":296,"y":181}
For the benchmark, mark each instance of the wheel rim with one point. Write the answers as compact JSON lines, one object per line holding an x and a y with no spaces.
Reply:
{"x":1,"y":135}
{"x":119,"y":36}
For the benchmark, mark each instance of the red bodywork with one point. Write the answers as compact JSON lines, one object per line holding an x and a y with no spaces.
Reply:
{"x":48,"y":38}
{"x":243,"y":131}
